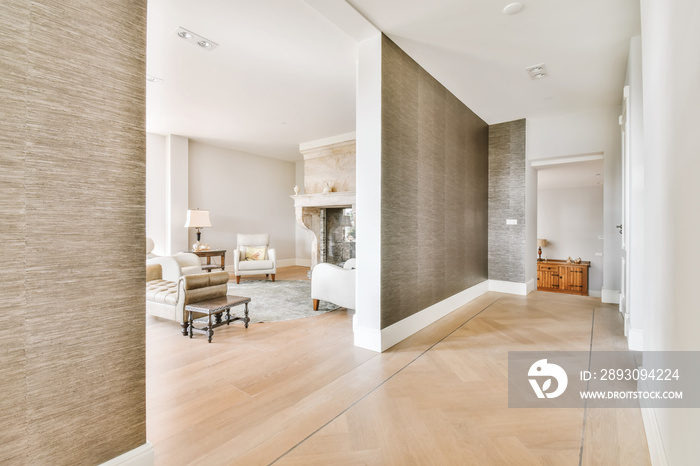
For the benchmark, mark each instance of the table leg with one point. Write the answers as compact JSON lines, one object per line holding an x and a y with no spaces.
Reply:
{"x":210,"y":331}
{"x":184,"y":326}
{"x":191,"y":324}
{"x":218,"y":318}
{"x":228,"y":317}
{"x":246,"y":319}
{"x":223,"y":261}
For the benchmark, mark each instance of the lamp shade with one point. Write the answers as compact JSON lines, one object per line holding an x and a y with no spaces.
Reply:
{"x":197,"y":219}
{"x":541,"y":243}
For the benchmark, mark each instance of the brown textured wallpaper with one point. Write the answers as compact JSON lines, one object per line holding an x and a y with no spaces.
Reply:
{"x":73,"y":189}
{"x":507,"y":201}
{"x":434,"y":190}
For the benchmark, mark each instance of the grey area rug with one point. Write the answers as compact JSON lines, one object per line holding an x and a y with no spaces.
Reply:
{"x":281,"y":300}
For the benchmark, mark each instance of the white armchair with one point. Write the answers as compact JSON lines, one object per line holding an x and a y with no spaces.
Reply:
{"x":179,"y":265}
{"x":334,"y":284}
{"x":266,"y":266}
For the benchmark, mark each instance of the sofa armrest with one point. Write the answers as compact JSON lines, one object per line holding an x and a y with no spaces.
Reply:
{"x":272,"y":255}
{"x":203,"y":280}
{"x":154,"y":272}
{"x":333,"y":284}
{"x":171,"y":270}
{"x":189,"y":263}
{"x":202,"y":287}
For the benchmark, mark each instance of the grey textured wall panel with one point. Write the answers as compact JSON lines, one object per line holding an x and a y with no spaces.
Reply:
{"x":434,"y":190}
{"x":79,"y":189}
{"x":507,"y":201}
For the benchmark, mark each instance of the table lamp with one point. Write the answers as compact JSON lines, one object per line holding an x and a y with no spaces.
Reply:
{"x":541,"y":243}
{"x":197,"y":219}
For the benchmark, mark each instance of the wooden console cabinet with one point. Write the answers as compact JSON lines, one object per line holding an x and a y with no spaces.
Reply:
{"x":560,"y":277}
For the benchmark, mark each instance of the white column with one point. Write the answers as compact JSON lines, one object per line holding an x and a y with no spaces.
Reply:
{"x":177,"y":192}
{"x":367,"y":319}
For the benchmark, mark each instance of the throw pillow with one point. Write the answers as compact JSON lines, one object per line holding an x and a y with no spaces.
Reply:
{"x":255,"y":253}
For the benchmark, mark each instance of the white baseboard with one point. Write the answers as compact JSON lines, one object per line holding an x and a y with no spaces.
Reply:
{"x":635,"y":339}
{"x":530,"y":286}
{"x":610,"y":296}
{"x":302,"y":262}
{"x":140,"y":456}
{"x":655,"y":442}
{"x":403,"y":329}
{"x":286,"y":262}
{"x":508,"y":287}
{"x":367,"y":338}
{"x":595,"y":293}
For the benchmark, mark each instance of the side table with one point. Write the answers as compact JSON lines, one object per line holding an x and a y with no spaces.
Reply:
{"x":215,"y":307}
{"x":209,"y":254}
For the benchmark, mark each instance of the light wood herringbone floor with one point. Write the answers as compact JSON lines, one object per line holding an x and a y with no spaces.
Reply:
{"x":299,"y":393}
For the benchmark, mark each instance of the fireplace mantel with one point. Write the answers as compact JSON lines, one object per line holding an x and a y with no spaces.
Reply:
{"x":343,"y":199}
{"x":308,"y":212}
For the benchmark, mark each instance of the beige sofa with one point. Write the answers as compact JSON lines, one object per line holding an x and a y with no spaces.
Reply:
{"x":167,"y":299}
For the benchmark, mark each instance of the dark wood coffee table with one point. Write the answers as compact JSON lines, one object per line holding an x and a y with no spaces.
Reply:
{"x":215,"y":307}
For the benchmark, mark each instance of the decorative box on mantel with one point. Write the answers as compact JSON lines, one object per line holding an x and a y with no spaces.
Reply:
{"x":310,"y":213}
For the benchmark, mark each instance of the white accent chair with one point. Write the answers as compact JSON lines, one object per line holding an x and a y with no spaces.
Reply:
{"x":334,"y":284}
{"x":179,"y":265}
{"x":241,"y":267}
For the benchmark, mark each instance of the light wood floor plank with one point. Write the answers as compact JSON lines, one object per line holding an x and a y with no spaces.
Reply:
{"x":299,"y":392}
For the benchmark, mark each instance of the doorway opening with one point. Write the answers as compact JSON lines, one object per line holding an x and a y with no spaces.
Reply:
{"x":570,"y":225}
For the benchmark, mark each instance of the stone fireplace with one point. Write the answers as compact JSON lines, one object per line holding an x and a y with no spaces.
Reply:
{"x":326,"y":210}
{"x":329,"y":219}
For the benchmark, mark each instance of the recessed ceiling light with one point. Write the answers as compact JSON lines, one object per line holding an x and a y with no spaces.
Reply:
{"x":513,"y":8}
{"x":537,"y":71}
{"x":196,"y":39}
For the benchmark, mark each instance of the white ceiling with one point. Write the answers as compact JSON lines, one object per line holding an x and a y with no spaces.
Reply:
{"x":571,"y":175}
{"x":283,"y":74}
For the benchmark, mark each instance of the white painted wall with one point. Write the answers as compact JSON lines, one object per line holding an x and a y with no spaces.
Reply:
{"x":303,"y":240}
{"x":155,"y":191}
{"x":367,"y":319}
{"x":589,"y":132}
{"x":571,"y":219}
{"x":671,"y":73}
{"x":530,"y":224}
{"x":176,"y":195}
{"x":243,"y":193}
{"x":635,"y":247}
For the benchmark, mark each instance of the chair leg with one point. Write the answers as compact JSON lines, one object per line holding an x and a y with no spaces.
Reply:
{"x":315,"y":304}
{"x":273,"y":277}
{"x":238,"y":279}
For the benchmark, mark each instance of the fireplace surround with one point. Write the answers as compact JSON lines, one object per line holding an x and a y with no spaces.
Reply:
{"x":329,"y":220}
